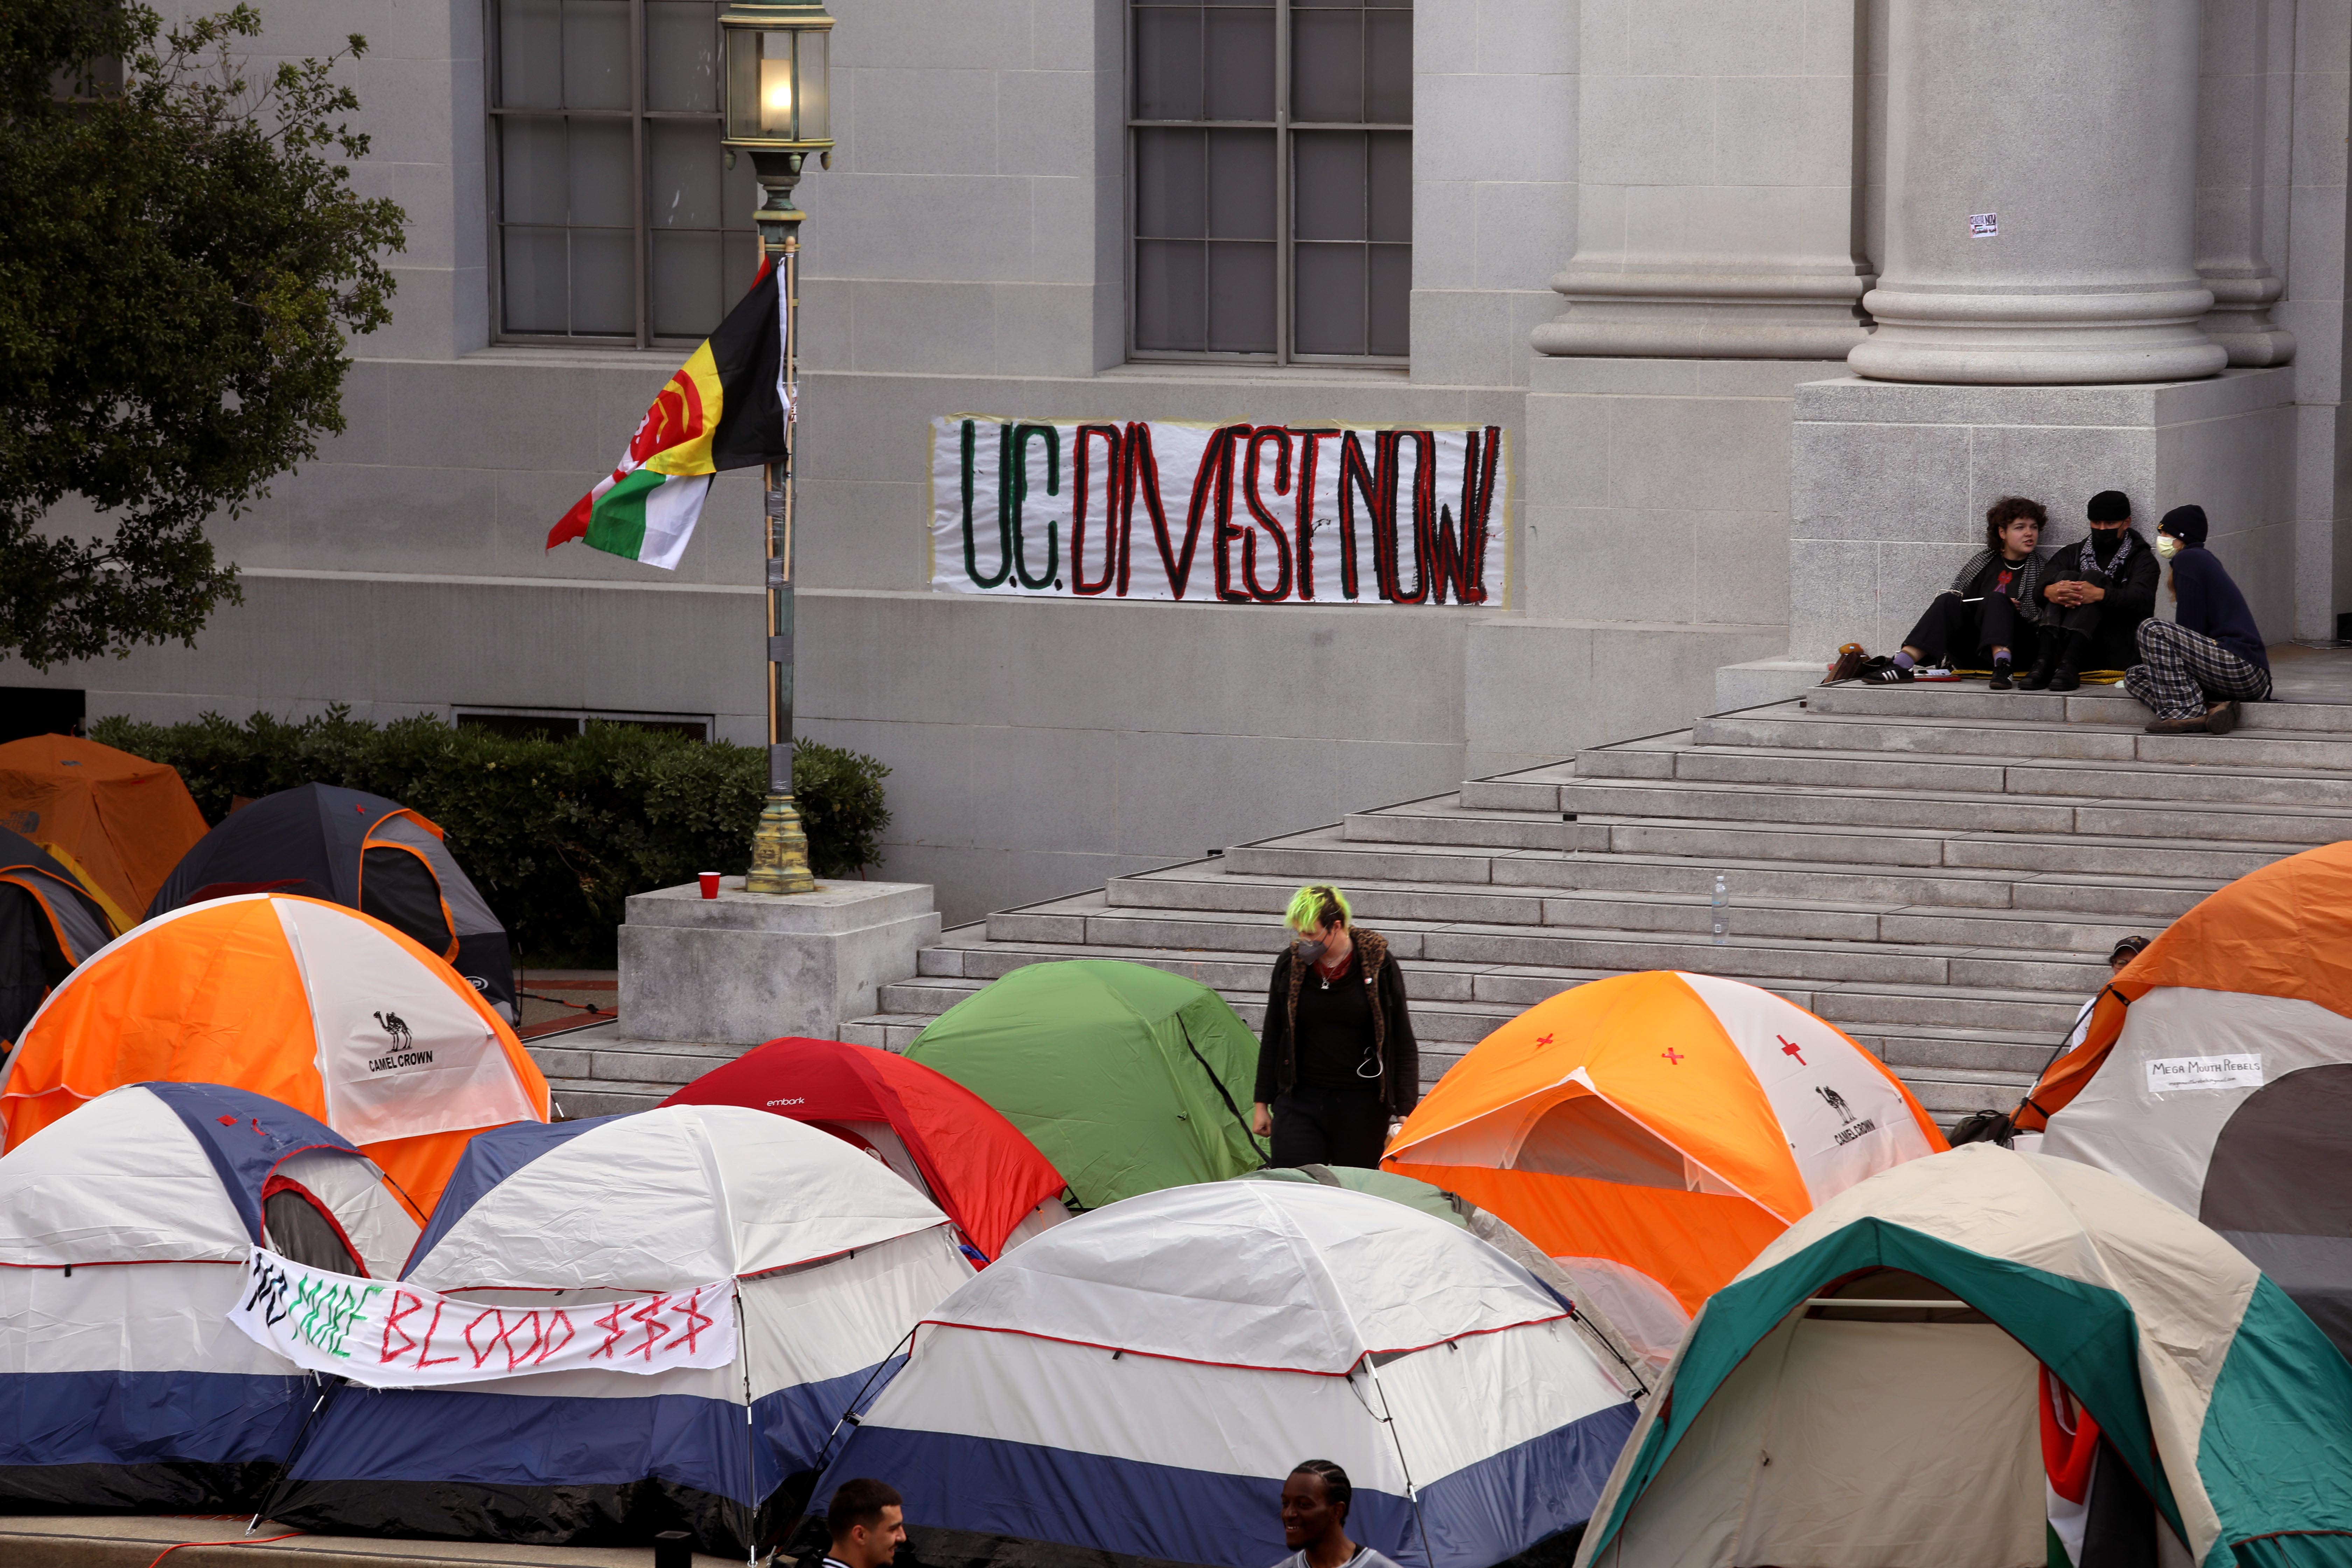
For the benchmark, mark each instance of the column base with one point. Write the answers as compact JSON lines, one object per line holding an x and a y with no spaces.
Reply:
{"x":2087,"y":339}
{"x":746,"y":967}
{"x":1657,"y":313}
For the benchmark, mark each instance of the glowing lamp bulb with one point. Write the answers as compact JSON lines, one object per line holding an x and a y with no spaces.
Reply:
{"x":776,"y":96}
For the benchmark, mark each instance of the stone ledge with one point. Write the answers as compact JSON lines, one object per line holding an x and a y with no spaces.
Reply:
{"x":834,"y":907}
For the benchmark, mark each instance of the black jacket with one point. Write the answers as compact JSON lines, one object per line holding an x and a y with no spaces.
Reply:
{"x":2206,"y":601}
{"x":2131,"y":597}
{"x":1399,"y":1053}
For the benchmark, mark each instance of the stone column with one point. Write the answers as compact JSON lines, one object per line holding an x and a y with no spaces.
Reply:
{"x":2244,"y":113}
{"x":1715,"y":198}
{"x":2074,"y":123}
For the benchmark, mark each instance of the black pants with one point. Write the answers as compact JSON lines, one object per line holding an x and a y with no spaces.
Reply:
{"x":2112,"y":640}
{"x":1319,"y":1126}
{"x":1962,"y":630}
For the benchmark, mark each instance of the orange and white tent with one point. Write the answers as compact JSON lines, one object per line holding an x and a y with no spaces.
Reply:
{"x":2216,"y":1072}
{"x":318,"y":1006}
{"x":1653,"y":1132}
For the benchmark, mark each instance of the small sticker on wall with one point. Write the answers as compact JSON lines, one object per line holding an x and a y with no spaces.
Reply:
{"x":2170,"y":1075}
{"x":1984,"y":225}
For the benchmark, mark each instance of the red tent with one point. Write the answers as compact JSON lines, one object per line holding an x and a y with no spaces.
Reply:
{"x":928,"y":1127}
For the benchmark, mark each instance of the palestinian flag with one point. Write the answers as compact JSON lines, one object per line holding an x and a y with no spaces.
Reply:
{"x":727,"y":408}
{"x":2099,"y":1516}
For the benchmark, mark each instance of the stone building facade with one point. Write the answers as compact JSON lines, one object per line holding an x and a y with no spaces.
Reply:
{"x":1771,"y":296}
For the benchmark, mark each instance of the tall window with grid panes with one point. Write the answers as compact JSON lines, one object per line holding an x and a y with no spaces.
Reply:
{"x":618,"y":222}
{"x":1271,"y":179}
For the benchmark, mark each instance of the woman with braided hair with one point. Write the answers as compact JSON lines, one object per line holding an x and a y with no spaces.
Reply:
{"x":1336,"y":1062}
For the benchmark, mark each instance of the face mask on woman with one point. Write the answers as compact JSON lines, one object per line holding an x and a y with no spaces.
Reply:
{"x":1310,"y":949}
{"x":2166,"y":547}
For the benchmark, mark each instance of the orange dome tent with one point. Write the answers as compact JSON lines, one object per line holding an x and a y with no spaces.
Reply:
{"x":2216,"y":1073}
{"x":318,"y":1006}
{"x":119,"y":823}
{"x":1655,"y":1131}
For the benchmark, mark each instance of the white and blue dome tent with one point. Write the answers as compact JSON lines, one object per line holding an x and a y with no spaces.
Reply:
{"x":1885,"y":1386}
{"x":124,"y":1232}
{"x":1138,"y":1382}
{"x":830,"y":1257}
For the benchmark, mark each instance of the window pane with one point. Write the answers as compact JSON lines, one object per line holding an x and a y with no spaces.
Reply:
{"x":681,"y":56}
{"x":1328,"y":185}
{"x":1392,"y":290}
{"x":533,"y":186}
{"x":531,"y":54}
{"x":1392,"y":185}
{"x":1241,"y":297}
{"x":532,"y":286}
{"x":1327,"y":66}
{"x":1169,"y":289}
{"x":1240,"y":63}
{"x":683,"y":162}
{"x":815,"y":108}
{"x":1168,"y":62}
{"x":1327,"y":309}
{"x":604,"y":282}
{"x":1388,"y":67}
{"x":1169,"y":196}
{"x":1240,"y":184}
{"x":602,"y":189}
{"x":596,"y":54}
{"x":683,"y":296}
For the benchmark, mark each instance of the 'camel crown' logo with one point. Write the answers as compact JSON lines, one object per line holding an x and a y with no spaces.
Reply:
{"x":397,"y":1028}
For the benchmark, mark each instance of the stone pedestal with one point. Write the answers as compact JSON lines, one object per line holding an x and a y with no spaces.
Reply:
{"x":743,"y":968}
{"x":1889,"y":485}
{"x":2040,"y":183}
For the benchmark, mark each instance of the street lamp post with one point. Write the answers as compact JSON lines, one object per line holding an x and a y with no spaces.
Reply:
{"x":778,"y":107}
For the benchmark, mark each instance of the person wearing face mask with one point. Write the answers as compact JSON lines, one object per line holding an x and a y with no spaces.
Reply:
{"x":2098,"y":590}
{"x":1336,"y":1062}
{"x":2195,"y":668}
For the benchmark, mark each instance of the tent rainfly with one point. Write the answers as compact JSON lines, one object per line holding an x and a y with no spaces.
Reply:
{"x":117,"y":823}
{"x":48,"y":923}
{"x":124,"y":1232}
{"x":1984,"y":1359}
{"x":1138,"y":1382}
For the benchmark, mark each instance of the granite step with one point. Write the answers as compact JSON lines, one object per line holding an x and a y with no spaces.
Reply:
{"x":1788,"y":727}
{"x":2092,"y":705}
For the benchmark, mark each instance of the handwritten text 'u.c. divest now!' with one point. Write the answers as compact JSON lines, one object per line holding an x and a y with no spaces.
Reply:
{"x":390,"y":1334}
{"x":1242,"y":513}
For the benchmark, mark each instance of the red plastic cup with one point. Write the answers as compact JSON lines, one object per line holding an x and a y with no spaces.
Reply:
{"x":709,"y":883}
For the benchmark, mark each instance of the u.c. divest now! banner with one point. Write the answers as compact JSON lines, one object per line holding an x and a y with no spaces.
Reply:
{"x":390,"y":1335}
{"x":1238,"y":513}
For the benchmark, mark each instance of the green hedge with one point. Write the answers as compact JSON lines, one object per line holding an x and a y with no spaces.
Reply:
{"x":556,"y":833}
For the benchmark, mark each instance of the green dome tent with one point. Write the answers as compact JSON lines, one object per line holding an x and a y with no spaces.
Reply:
{"x":1870,"y":1389}
{"x":1127,"y":1078}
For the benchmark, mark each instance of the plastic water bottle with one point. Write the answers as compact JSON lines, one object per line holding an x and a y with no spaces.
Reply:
{"x":1722,"y":911}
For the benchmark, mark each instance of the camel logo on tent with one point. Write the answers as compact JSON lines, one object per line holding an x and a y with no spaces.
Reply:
{"x":1853,"y":1126}
{"x":405,"y":1053}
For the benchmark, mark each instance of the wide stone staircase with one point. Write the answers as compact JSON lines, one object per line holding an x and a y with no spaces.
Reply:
{"x":1939,"y":871}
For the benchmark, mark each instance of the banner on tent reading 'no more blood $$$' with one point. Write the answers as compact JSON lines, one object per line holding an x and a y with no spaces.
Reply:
{"x":1242,"y":513}
{"x":390,"y":1335}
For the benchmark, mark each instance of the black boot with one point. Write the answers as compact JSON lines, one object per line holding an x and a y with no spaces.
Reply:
{"x":2045,"y":664}
{"x":2069,"y":673}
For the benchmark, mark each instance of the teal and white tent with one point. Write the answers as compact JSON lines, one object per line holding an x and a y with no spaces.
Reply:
{"x":1869,"y":1393}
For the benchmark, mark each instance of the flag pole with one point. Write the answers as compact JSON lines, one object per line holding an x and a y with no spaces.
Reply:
{"x":779,"y":857}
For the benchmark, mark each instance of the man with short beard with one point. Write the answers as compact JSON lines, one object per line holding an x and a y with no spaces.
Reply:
{"x":2099,"y":590}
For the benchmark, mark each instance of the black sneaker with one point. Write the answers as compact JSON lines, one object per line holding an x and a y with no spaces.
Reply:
{"x":1893,"y":675}
{"x":2223,"y":720}
{"x":2000,"y":681}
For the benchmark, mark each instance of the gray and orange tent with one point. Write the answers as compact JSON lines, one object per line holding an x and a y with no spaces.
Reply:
{"x":116,"y":822}
{"x":48,"y":923}
{"x":360,"y":850}
{"x":2216,"y":1072}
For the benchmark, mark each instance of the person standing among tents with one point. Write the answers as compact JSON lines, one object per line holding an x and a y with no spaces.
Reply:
{"x":1337,"y":1061}
{"x":1315,"y":1519}
{"x":868,"y":1523}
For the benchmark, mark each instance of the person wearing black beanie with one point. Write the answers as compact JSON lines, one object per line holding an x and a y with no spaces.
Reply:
{"x":2099,"y":590}
{"x":2197,"y":667}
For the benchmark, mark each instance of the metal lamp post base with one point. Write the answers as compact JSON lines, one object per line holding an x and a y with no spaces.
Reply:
{"x":779,"y":859}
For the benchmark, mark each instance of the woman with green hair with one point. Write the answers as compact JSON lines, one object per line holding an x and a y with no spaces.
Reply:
{"x":1336,"y":1062}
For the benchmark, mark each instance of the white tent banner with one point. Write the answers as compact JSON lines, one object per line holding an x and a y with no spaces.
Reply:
{"x":1240,"y":513}
{"x":390,"y":1335}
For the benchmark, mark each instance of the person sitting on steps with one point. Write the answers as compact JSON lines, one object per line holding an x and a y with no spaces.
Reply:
{"x":1990,"y":610}
{"x":2196,"y":666}
{"x":2097,"y":591}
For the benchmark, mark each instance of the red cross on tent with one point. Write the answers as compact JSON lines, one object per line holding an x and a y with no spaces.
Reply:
{"x":1790,"y":1048}
{"x":1673,"y":1058}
